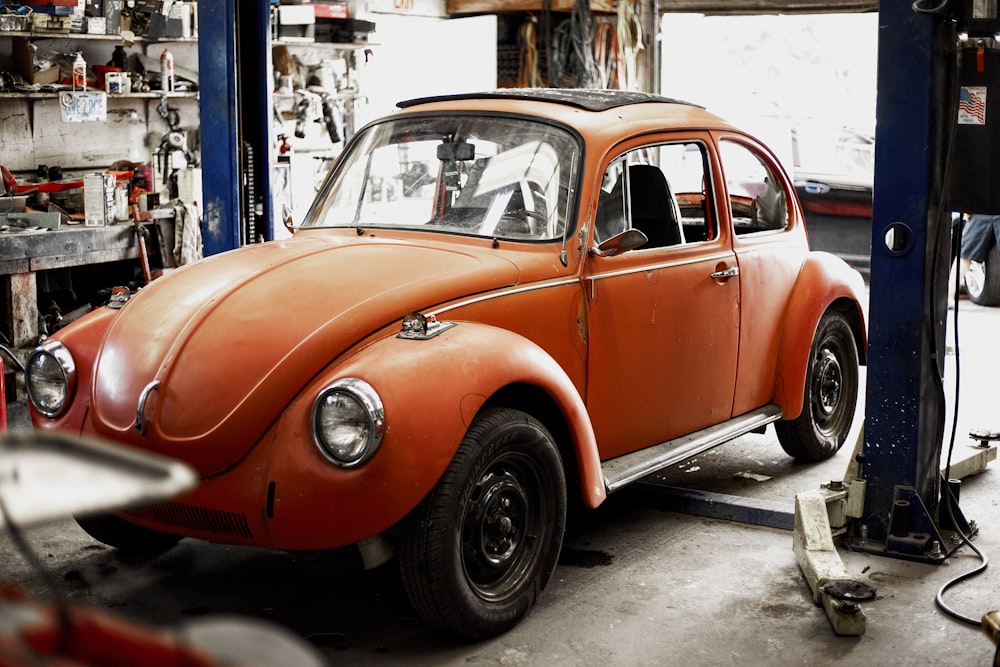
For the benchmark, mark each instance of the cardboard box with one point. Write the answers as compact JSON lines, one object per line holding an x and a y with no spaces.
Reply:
{"x":330,"y":10}
{"x":49,"y":23}
{"x":24,"y":63}
{"x":296,"y":23}
{"x":98,"y":199}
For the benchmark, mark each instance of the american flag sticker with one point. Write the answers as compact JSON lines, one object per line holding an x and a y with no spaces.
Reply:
{"x":972,"y":105}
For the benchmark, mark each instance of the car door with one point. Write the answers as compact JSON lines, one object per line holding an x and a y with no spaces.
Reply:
{"x":770,"y":248}
{"x":663,"y":318}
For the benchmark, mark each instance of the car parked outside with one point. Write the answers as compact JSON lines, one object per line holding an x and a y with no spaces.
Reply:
{"x":834,"y":172}
{"x":499,"y":306}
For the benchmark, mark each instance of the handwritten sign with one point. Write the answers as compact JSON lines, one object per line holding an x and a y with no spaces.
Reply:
{"x":80,"y":106}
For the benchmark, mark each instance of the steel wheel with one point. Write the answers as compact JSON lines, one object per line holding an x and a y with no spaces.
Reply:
{"x":480,"y":548}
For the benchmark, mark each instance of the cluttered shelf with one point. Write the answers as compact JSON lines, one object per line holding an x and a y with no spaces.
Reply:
{"x":34,"y":249}
{"x":344,"y":46}
{"x":152,"y":95}
{"x":95,"y":37}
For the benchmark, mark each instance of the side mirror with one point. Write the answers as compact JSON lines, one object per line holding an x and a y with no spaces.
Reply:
{"x":286,"y":218}
{"x":630,"y":239}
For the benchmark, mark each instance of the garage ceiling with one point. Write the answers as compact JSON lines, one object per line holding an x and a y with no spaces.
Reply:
{"x":719,"y":7}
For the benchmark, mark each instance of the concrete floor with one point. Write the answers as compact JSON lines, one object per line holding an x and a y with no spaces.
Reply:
{"x":638,"y":583}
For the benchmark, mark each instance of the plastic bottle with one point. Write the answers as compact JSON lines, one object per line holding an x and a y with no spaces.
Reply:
{"x":79,"y":72}
{"x":166,"y":71}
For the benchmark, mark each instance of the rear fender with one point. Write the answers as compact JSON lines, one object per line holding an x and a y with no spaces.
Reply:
{"x":824,"y":282}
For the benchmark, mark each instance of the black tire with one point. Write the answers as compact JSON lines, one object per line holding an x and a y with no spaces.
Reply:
{"x":982,"y":280}
{"x":477,"y":552}
{"x":126,"y":537}
{"x":831,"y":394}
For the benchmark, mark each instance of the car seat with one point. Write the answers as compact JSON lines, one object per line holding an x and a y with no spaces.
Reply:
{"x":655,"y":211}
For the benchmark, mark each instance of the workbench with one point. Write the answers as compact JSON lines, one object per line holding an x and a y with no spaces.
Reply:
{"x":24,"y":253}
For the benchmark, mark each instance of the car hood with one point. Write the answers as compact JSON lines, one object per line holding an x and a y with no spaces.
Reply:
{"x":231,"y":339}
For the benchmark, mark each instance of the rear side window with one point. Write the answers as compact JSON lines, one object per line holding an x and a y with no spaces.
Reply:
{"x":757,"y":200}
{"x":661,"y":190}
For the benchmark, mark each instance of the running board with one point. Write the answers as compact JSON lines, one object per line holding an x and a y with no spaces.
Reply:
{"x":624,"y":470}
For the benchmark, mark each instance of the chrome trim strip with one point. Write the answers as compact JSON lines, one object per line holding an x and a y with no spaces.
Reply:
{"x":623,"y":470}
{"x":506,"y":292}
{"x":661,"y":265}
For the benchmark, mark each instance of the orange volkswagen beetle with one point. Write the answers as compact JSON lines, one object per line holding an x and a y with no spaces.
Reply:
{"x":498,"y":304}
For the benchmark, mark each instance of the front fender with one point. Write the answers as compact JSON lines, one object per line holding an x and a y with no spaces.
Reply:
{"x":825,"y":281}
{"x":83,"y":338}
{"x":431,"y":391}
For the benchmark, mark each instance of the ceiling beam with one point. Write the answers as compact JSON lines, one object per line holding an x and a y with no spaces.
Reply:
{"x":745,"y":7}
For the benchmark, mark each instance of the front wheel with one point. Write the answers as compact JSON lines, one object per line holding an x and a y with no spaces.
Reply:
{"x":477,"y":552}
{"x":831,"y":394}
{"x":982,"y":280}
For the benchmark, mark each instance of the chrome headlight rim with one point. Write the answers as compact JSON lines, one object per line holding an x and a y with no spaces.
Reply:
{"x":67,"y":367}
{"x":369,"y":401}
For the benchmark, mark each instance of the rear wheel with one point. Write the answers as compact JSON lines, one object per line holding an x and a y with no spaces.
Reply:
{"x":831,"y":394}
{"x":480,"y":548}
{"x":126,"y":537}
{"x":982,"y":280}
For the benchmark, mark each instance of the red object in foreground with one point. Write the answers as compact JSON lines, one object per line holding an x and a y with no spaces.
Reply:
{"x":80,"y":636}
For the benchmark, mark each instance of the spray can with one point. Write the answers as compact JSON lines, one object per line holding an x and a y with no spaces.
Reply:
{"x":166,"y":71}
{"x":79,"y":72}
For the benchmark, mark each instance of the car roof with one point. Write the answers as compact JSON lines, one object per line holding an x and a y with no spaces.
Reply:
{"x":588,"y":99}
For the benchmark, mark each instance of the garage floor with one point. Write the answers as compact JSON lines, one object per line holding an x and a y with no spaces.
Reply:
{"x":638,"y":583}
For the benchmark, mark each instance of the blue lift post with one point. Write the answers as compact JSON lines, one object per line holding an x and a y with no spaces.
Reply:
{"x":235,"y":106}
{"x":904,"y":420}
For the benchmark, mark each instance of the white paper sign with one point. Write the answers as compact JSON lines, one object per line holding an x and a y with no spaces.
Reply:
{"x":81,"y":106}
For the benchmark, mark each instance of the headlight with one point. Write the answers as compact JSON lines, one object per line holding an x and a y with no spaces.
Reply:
{"x":50,"y":377}
{"x":348,"y":422}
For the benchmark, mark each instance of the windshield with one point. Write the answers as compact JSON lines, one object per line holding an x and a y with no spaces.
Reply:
{"x":485,"y":176}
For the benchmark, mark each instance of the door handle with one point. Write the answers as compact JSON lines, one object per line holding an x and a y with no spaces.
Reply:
{"x":731,"y":272}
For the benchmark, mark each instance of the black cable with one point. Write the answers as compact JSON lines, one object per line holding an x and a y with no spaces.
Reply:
{"x":950,"y":500}
{"x":8,"y":352}
{"x":939,"y":598}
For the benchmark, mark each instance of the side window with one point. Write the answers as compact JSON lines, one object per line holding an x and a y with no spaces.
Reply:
{"x":757,"y":199}
{"x":659,"y":190}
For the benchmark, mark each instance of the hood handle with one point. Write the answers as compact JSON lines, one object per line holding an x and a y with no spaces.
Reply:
{"x":140,"y":419}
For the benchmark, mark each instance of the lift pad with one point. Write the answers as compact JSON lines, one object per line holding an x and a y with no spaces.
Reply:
{"x":832,"y":588}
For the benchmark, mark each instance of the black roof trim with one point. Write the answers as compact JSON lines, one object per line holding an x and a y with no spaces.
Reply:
{"x":588,"y":99}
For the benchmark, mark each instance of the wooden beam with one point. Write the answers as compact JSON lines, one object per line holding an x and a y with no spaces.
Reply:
{"x":457,"y":7}
{"x":749,"y":7}
{"x":22,"y":309}
{"x":81,"y":258}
